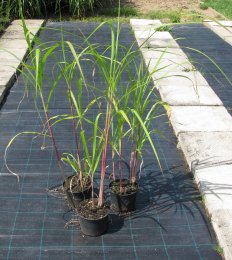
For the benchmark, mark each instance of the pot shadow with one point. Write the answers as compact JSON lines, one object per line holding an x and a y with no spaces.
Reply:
{"x":173,"y":190}
{"x":159,"y":192}
{"x":174,"y":187}
{"x":116,"y":223}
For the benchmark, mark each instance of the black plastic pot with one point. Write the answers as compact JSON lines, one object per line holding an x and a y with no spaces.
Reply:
{"x":94,"y":227}
{"x":122,"y":202}
{"x":74,"y":198}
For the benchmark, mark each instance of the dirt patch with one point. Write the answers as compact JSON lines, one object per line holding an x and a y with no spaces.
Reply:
{"x":145,"y":6}
{"x":148,"y":5}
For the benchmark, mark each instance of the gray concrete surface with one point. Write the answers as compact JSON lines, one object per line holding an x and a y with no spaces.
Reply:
{"x":200,"y":119}
{"x":202,"y":125}
{"x":180,"y":95}
{"x":13,"y":49}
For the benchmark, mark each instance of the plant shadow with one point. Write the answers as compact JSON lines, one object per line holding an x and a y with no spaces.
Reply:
{"x":161,"y":194}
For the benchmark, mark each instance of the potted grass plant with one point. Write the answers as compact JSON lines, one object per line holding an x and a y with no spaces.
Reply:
{"x":93,"y":218}
{"x":35,"y":80}
{"x":34,"y":74}
{"x":128,"y":116}
{"x":141,"y":106}
{"x":133,"y":106}
{"x":94,"y":211}
{"x":85,"y":165}
{"x":129,"y":111}
{"x":77,"y":186}
{"x":111,"y":69}
{"x":127,"y":120}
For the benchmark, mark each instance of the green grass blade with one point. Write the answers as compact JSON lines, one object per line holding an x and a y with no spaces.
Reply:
{"x":147,"y":135}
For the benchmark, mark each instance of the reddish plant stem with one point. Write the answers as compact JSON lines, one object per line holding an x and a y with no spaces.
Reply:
{"x":54,"y":145}
{"x":136,"y":161}
{"x":92,"y":192}
{"x":120,"y":164}
{"x":135,"y":166}
{"x":104,"y":157}
{"x":113,"y":166}
{"x":132,"y":156}
{"x":131,"y":163}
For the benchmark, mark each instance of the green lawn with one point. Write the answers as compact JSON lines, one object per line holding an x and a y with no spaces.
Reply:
{"x":222,"y":6}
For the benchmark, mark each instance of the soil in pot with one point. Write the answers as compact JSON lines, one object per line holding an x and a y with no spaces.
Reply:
{"x":94,"y":221}
{"x":78,"y":192}
{"x":123,"y":195}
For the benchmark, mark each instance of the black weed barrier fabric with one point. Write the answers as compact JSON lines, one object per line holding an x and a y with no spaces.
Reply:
{"x":169,"y":221}
{"x":210,"y":55}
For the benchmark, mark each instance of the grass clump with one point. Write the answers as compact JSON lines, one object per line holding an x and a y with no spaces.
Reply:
{"x":174,"y":16}
{"x":4,"y":17}
{"x":44,"y":8}
{"x":164,"y":28}
{"x":193,"y":16}
{"x":125,"y":11}
{"x":203,"y":6}
{"x":4,"y":21}
{"x":219,"y":250}
{"x":222,"y":6}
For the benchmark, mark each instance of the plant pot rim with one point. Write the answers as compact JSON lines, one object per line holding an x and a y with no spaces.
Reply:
{"x":123,"y":195}
{"x":91,"y":219}
{"x":74,"y":192}
{"x":123,"y":179}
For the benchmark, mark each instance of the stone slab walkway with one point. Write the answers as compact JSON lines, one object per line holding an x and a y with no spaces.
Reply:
{"x":169,"y":223}
{"x":13,"y":49}
{"x":201,"y":122}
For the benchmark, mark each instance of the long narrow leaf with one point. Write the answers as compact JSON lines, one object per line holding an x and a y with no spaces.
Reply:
{"x":147,"y":135}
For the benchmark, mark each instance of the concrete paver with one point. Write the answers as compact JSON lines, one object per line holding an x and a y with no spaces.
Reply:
{"x":219,"y":23}
{"x":1,"y":93}
{"x":157,"y":43}
{"x":171,"y":54}
{"x":152,"y":34}
{"x":6,"y":81}
{"x":13,"y":34}
{"x":13,"y":49}
{"x":152,"y":39}
{"x":228,"y":39}
{"x":202,"y":124}
{"x":165,"y":78}
{"x":5,"y":57}
{"x":144,"y":22}
{"x":222,"y":179}
{"x":206,"y":149}
{"x":180,"y":95}
{"x":192,"y":76}
{"x":169,"y":64}
{"x":210,"y":155}
{"x":2,"y":88}
{"x":19,"y":43}
{"x":200,"y":119}
{"x":218,"y":199}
